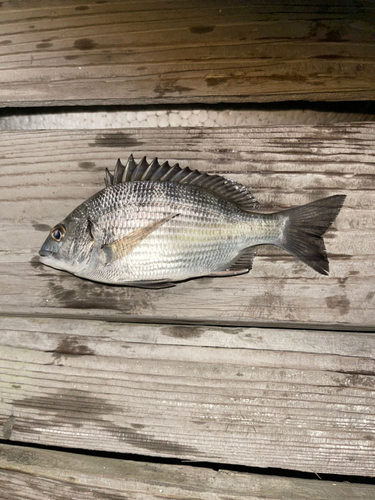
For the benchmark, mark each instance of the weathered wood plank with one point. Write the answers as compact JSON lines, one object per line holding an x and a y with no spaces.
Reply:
{"x":75,"y":336}
{"x":28,"y":473}
{"x":130,"y":389}
{"x":44,"y":175}
{"x":56,"y":52}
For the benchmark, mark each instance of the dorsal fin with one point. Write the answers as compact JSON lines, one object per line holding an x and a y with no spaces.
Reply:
{"x":142,"y":171}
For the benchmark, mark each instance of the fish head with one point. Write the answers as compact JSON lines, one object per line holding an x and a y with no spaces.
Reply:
{"x":69,"y":245}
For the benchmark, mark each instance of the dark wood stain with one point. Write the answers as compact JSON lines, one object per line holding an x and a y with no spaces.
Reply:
{"x":167,"y":87}
{"x":8,"y":427}
{"x":6,"y":42}
{"x":216,"y":80}
{"x":71,"y":58}
{"x":333,"y":36}
{"x":340,"y":302}
{"x":74,"y":405}
{"x":183,"y":332}
{"x":44,"y":45}
{"x":149,"y":441}
{"x":75,"y":293}
{"x":116,"y":140}
{"x":41,"y":227}
{"x":84,"y":44}
{"x":82,"y":7}
{"x":201,"y":30}
{"x":71,"y":346}
{"x":35,"y":263}
{"x":89,"y":165}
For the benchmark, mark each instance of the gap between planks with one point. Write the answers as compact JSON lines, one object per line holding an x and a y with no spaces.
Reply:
{"x":59,"y":475}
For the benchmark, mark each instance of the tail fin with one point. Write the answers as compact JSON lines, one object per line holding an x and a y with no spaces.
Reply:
{"x":305,"y":227}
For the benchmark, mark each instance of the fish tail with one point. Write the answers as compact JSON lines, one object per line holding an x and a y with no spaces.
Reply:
{"x":304,"y":230}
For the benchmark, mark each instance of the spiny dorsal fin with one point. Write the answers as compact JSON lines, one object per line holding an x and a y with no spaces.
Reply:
{"x":142,"y":171}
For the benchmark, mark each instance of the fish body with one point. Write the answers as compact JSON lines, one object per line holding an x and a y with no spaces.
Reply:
{"x":154,"y":225}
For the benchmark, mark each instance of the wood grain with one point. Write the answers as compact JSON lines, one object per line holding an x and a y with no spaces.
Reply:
{"x":46,"y":174}
{"x":117,"y":52}
{"x":27,"y":473}
{"x":111,"y":387}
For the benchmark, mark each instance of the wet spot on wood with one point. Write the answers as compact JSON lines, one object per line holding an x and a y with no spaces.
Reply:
{"x":183,"y":332}
{"x":35,"y":263}
{"x":73,"y":293}
{"x":82,"y":7}
{"x":71,"y":346}
{"x":342,"y":281}
{"x":5,"y":42}
{"x":116,"y":140}
{"x":333,"y":36}
{"x":41,"y":227}
{"x":339,"y":302}
{"x":8,"y":427}
{"x":44,"y":45}
{"x":167,"y":87}
{"x":149,"y":441}
{"x":84,"y":44}
{"x":216,"y":80}
{"x":87,"y":165}
{"x":201,"y":30}
{"x":63,"y":406}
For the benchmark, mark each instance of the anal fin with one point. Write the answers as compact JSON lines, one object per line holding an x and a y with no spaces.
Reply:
{"x":240,"y":265}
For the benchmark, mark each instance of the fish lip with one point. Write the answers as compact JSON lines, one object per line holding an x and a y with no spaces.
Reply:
{"x":45,"y":253}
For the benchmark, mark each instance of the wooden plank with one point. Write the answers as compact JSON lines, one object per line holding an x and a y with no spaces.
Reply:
{"x":28,"y":473}
{"x":45,"y":175}
{"x":152,"y":390}
{"x":50,"y":334}
{"x":113,"y":52}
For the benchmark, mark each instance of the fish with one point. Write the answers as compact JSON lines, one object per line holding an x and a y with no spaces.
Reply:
{"x":155,"y":225}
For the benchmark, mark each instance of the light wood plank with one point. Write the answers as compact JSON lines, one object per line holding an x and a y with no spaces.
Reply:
{"x":44,"y":175}
{"x":28,"y":473}
{"x":55,"y":53}
{"x":79,"y":336}
{"x":111,"y":387}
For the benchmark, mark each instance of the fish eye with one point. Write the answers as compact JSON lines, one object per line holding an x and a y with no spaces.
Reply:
{"x":58,"y":232}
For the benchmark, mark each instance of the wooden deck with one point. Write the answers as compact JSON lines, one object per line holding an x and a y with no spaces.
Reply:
{"x":124,"y":52}
{"x":101,"y":387}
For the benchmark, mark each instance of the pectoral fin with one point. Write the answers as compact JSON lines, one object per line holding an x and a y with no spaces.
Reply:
{"x":123,"y":246}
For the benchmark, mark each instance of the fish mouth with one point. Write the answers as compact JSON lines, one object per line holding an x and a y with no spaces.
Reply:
{"x":45,"y":253}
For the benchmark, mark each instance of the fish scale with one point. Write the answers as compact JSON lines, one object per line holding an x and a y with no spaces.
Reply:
{"x":157,"y":224}
{"x":203,"y":224}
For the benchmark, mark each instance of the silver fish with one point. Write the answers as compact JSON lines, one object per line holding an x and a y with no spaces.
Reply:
{"x":156,"y":224}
